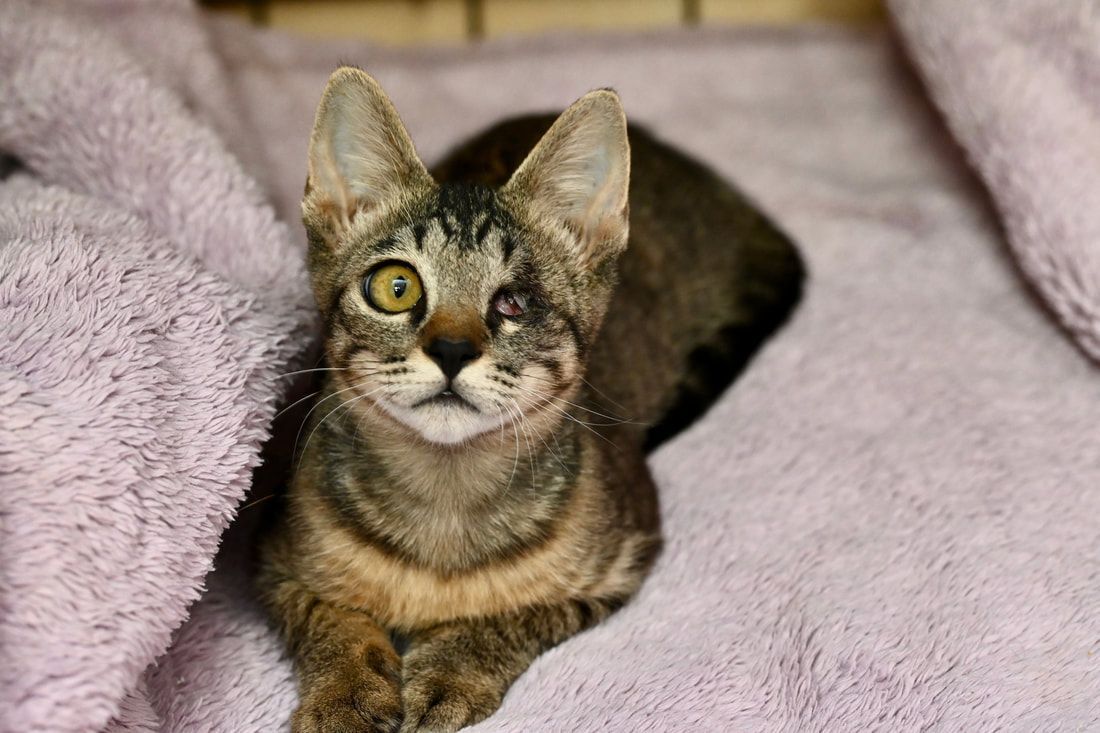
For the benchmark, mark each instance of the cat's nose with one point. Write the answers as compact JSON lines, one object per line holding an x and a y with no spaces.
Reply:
{"x":451,"y":354}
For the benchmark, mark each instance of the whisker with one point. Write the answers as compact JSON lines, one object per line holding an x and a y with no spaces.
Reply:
{"x":307,"y":371}
{"x":500,"y":411}
{"x":601,"y":393}
{"x":358,"y":424}
{"x":515,"y":463}
{"x":583,"y":424}
{"x":251,"y":504}
{"x":580,"y":407}
{"x":305,"y":420}
{"x":356,"y":398}
{"x":293,"y":404}
{"x":543,"y":441}
{"x":547,"y":396}
{"x":526,"y":440}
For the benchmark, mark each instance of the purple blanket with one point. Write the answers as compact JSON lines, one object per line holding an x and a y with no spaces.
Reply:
{"x":889,"y":523}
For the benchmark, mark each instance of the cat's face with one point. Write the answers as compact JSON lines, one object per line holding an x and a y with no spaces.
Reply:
{"x":458,"y":310}
{"x":456,"y":319}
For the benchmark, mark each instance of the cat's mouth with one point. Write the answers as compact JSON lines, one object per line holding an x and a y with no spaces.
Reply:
{"x":447,"y":398}
{"x":446,"y":417}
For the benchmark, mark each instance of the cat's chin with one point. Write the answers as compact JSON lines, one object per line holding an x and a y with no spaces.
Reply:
{"x":444,"y":422}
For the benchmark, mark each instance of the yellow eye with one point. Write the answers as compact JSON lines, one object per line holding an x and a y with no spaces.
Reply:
{"x":393,"y":288}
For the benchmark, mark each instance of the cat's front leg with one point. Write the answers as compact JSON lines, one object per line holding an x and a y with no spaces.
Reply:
{"x":456,"y":673}
{"x":349,"y":675}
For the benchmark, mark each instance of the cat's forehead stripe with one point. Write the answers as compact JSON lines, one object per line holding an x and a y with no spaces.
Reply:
{"x":389,"y":244}
{"x":483,"y":228}
{"x":467,"y":214}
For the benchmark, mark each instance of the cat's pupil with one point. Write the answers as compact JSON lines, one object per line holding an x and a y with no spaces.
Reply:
{"x":400,"y":285}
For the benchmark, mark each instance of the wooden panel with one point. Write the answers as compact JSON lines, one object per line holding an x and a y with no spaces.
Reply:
{"x":239,"y":9}
{"x":386,"y":21}
{"x":446,"y":21}
{"x":503,"y":17}
{"x":792,"y":11}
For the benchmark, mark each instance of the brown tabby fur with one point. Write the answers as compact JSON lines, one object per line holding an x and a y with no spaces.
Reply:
{"x":483,"y":553}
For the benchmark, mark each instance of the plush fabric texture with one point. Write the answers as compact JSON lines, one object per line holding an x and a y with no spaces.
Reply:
{"x":148,"y":298}
{"x":888,"y":523}
{"x":1034,"y":137}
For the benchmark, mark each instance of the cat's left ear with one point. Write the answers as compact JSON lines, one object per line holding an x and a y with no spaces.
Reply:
{"x":360,"y":155}
{"x":579,"y":175}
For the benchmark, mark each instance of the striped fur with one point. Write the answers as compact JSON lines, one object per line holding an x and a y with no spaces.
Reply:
{"x":482,"y":534}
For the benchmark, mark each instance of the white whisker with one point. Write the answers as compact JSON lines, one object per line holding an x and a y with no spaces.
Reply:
{"x":530,"y":449}
{"x":546,"y":445}
{"x":305,"y":420}
{"x":515,"y":463}
{"x":308,"y":371}
{"x":326,"y":417}
{"x":583,"y":424}
{"x":547,"y":395}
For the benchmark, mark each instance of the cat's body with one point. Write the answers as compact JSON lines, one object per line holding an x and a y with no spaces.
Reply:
{"x":462,"y":484}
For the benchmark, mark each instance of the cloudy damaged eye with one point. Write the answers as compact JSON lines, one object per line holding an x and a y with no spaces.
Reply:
{"x":393,"y":288}
{"x":510,"y":304}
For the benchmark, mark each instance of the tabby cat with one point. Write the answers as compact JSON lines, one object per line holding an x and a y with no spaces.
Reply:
{"x":472,"y":485}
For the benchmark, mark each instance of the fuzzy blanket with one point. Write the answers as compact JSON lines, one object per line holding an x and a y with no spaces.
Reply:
{"x":889,"y":523}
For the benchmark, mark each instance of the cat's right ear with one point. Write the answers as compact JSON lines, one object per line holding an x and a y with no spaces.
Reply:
{"x":579,"y":175}
{"x":360,"y":155}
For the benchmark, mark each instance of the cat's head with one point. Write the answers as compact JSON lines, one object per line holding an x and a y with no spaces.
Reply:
{"x":458,"y":309}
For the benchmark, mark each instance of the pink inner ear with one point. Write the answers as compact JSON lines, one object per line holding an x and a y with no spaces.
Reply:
{"x":579,"y":174}
{"x":360,"y":154}
{"x":603,"y":200}
{"x":579,"y":150}
{"x":327,"y":184}
{"x":599,"y":207}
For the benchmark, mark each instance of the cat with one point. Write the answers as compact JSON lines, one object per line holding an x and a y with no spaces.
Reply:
{"x":472,"y":485}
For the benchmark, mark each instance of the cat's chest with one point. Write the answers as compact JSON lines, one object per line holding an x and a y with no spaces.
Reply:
{"x":446,"y":513}
{"x":350,"y":571}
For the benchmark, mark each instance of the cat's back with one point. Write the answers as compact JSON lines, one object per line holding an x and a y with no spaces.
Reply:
{"x":705,"y":279}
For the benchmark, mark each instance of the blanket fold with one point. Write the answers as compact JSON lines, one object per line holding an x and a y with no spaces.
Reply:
{"x":1021,"y":90}
{"x":148,"y":297}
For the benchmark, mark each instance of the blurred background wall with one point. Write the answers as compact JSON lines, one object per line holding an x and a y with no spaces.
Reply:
{"x":405,"y":22}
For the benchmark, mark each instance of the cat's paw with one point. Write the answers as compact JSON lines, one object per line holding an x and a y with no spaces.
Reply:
{"x":442,"y":701}
{"x":352,"y":701}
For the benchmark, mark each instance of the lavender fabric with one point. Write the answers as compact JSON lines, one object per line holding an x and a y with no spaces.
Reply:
{"x":889,"y":523}
{"x":148,"y":296}
{"x":1034,"y":135}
